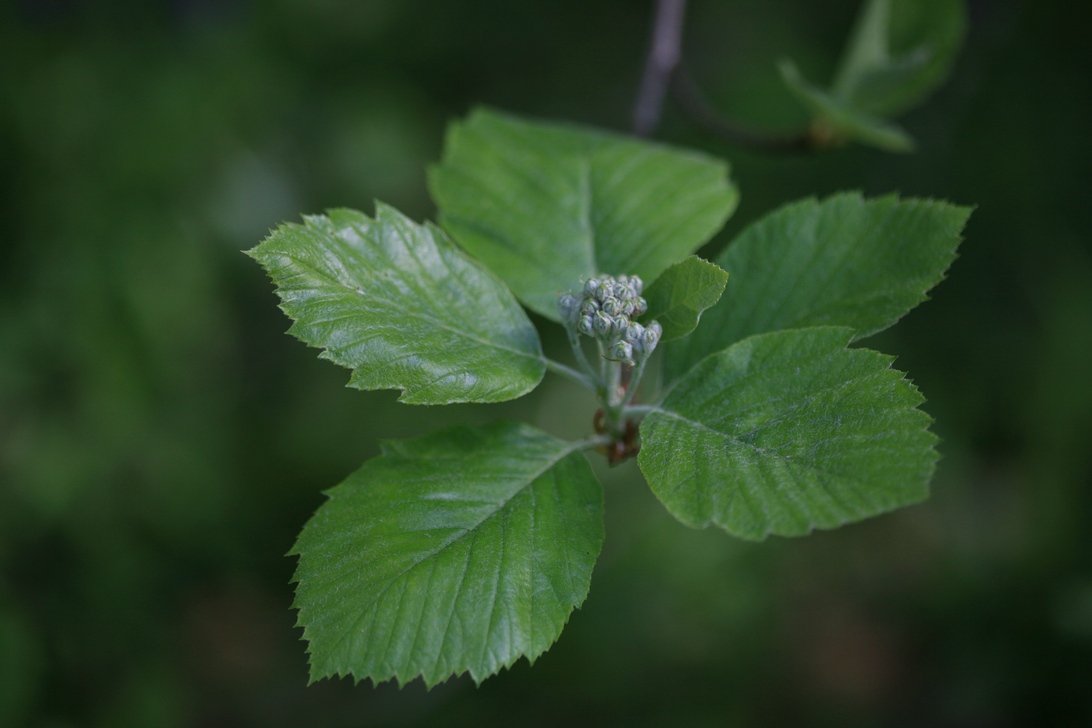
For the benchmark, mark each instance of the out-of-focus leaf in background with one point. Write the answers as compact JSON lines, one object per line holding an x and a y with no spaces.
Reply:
{"x":899,"y":51}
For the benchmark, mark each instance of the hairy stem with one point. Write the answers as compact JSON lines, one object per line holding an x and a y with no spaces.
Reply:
{"x":634,"y":382}
{"x":581,"y":358}
{"x":595,"y":441}
{"x":640,"y":410}
{"x":568,"y":372}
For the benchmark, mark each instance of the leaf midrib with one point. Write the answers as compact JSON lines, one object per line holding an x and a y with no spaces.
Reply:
{"x":471,"y":530}
{"x":459,"y":332}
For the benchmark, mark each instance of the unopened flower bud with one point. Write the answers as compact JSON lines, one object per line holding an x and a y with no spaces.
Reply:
{"x":612,"y":306}
{"x":622,"y":350}
{"x":634,"y":332}
{"x":586,"y":326}
{"x":589,"y":307}
{"x":568,"y":306}
{"x":602,"y":323}
{"x":640,"y":306}
{"x":628,"y":308}
{"x":590,"y":287}
{"x":636,"y":284}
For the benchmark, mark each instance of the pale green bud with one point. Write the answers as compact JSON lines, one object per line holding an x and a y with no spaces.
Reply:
{"x":612,"y":306}
{"x":622,"y":350}
{"x":634,"y":332}
{"x":602,"y":323}
{"x":568,"y":306}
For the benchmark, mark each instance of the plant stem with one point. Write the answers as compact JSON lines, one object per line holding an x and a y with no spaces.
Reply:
{"x":581,"y":358}
{"x":558,"y":368}
{"x":614,"y":381}
{"x":595,"y":441}
{"x":663,"y":56}
{"x":640,"y":410}
{"x":634,"y":382}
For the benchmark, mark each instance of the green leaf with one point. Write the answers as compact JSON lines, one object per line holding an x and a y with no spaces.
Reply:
{"x":786,"y":432}
{"x":458,"y":551}
{"x":402,"y":307}
{"x":840,"y":121}
{"x":677,"y":298}
{"x":544,"y":205}
{"x":899,"y":52}
{"x":845,"y":261}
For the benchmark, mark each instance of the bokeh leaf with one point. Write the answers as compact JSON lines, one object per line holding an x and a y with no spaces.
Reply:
{"x":899,"y":52}
{"x":402,"y":307}
{"x":458,"y":551}
{"x":838,"y":121}
{"x":787,"y":432}
{"x":842,"y":261}
{"x":677,"y":298}
{"x":545,"y":205}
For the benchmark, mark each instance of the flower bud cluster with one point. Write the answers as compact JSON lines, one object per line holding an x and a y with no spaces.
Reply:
{"x":606,"y":311}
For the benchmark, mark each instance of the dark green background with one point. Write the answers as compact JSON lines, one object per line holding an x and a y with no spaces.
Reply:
{"x":162,"y":441}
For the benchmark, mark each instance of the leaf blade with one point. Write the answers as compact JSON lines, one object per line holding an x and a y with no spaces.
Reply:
{"x":472,"y":546}
{"x":899,"y":52}
{"x":842,"y":261}
{"x":402,"y":307}
{"x":786,"y":432}
{"x":545,"y":204}
{"x":679,"y":296}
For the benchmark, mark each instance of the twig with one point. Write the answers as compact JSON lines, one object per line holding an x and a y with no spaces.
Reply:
{"x":663,"y":57}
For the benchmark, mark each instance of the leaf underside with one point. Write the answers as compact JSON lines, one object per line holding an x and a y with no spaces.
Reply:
{"x":545,"y":205}
{"x":842,"y":261}
{"x":677,"y":298}
{"x":402,"y":307}
{"x":787,"y":432}
{"x":460,"y":551}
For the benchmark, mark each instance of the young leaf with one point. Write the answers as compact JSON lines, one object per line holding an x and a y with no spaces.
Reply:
{"x":677,"y":298}
{"x":458,"y":551}
{"x":545,"y":205}
{"x":844,"y":261}
{"x":899,"y":52}
{"x":844,"y":121}
{"x":402,"y":307}
{"x":786,"y":432}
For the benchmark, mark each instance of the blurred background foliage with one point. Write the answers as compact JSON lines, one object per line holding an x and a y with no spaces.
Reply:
{"x":162,"y":441}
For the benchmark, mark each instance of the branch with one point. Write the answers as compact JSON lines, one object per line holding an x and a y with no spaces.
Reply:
{"x":663,"y":57}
